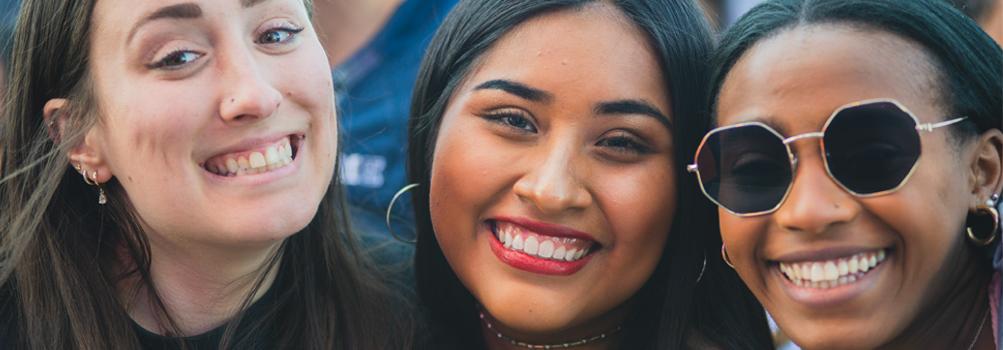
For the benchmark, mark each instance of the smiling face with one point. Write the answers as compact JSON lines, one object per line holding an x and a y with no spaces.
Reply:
{"x":216,"y":117}
{"x":795,"y":80}
{"x":552,"y":185}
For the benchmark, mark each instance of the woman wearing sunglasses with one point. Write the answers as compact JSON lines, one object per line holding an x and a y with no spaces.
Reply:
{"x":548,"y":144}
{"x":168,"y":182}
{"x":857,"y":167}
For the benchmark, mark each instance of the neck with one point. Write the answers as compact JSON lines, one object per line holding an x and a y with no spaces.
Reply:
{"x":345,"y":26}
{"x":959,"y":314}
{"x":200,"y":287}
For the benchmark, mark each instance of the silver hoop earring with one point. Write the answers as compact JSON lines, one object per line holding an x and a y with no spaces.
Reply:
{"x":390,"y":209}
{"x":703,"y":268}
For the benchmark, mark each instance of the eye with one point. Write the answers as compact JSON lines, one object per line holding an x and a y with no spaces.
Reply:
{"x":176,"y":60}
{"x":514,"y":119}
{"x":623,"y":142}
{"x":278,"y":36}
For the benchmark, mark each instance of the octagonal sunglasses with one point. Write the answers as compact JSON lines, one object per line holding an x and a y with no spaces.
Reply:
{"x":870,"y":148}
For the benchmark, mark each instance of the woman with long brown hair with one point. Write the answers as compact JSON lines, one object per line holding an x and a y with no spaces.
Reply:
{"x":168,"y":181}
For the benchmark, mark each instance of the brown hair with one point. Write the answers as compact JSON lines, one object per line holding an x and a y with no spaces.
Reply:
{"x":61,"y":254}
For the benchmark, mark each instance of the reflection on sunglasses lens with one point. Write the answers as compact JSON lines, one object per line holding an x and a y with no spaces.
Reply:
{"x":871,"y":148}
{"x":747,"y":168}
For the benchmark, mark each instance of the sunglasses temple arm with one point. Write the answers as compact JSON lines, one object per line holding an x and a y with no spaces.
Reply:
{"x":928,"y":127}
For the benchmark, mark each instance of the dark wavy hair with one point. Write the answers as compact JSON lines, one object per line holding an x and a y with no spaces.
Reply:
{"x":59,"y":250}
{"x":673,"y":307}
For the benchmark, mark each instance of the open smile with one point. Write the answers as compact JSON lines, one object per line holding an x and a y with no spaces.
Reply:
{"x":257,"y":160}
{"x":540,"y":248}
{"x":831,"y":281}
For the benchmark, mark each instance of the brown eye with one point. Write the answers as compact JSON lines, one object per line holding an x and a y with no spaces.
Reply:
{"x":512,"y":119}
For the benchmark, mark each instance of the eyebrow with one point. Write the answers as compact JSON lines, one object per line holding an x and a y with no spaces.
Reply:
{"x":518,"y":89}
{"x":633,"y":107}
{"x":186,"y":10}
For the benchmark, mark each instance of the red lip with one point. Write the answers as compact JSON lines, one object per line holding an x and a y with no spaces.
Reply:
{"x":534,"y":264}
{"x":548,"y":229}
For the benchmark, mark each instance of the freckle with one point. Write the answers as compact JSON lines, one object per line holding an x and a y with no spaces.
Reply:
{"x":232,"y":100}
{"x":130,"y":178}
{"x":289,"y":94}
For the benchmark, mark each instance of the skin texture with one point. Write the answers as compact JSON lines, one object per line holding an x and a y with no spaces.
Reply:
{"x":928,"y":293}
{"x":993,"y":22}
{"x":557,"y":161}
{"x":240,"y":74}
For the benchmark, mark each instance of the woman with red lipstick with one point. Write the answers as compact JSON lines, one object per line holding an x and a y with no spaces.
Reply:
{"x":857,"y":166}
{"x":168,"y":182}
{"x":552,"y":204}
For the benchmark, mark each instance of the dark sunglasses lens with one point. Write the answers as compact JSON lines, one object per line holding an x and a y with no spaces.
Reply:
{"x":745,"y":169}
{"x":871,"y":148}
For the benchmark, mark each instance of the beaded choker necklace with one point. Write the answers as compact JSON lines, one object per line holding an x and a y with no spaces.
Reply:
{"x":570,"y":344}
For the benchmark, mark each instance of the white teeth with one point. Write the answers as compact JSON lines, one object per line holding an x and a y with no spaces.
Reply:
{"x":257,"y":160}
{"x":831,"y":273}
{"x":546,"y":249}
{"x":554,"y":248}
{"x":532,"y":246}
{"x":559,"y":253}
{"x":270,"y":158}
{"x":816,"y":272}
{"x":517,"y":243}
{"x":570,"y":255}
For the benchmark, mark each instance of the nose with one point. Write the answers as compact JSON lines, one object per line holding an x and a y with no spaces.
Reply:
{"x":552,"y":184}
{"x":816,"y":203}
{"x":248,"y":95}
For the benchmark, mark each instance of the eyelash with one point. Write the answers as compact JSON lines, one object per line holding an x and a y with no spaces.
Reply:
{"x":625,"y":143}
{"x":621,"y":142}
{"x":291,"y":32}
{"x":509,"y":119}
{"x":171,"y":60}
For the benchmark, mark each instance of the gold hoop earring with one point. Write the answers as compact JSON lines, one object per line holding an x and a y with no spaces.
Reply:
{"x":994,"y":217}
{"x":390,"y":209}
{"x":724,"y":256}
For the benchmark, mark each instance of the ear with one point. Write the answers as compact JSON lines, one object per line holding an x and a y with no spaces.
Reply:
{"x":987,"y":166}
{"x":87,"y":155}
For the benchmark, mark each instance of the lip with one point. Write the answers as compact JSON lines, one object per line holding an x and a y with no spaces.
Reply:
{"x":534,"y":264}
{"x":547,"y":229}
{"x":263,"y":178}
{"x":834,"y":297}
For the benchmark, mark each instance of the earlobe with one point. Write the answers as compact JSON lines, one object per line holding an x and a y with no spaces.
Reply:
{"x":987,"y":166}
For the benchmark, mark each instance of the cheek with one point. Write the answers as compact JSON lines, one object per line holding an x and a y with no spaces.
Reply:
{"x":639,"y":206}
{"x":464,"y":177}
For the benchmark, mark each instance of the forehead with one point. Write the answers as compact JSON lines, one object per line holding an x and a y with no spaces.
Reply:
{"x":798,"y":77}
{"x":595,"y":49}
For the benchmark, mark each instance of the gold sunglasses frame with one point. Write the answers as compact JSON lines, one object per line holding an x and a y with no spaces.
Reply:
{"x":919,"y":127}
